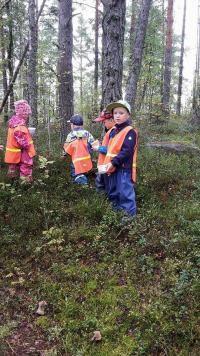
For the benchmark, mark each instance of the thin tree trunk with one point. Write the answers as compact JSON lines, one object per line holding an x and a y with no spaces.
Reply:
{"x":32,"y":63}
{"x":19,"y":64}
{"x":196,"y":89}
{"x":168,"y":60}
{"x":10,"y":51}
{"x":96,"y":55}
{"x":131,"y":88}
{"x":180,"y":79}
{"x":112,"y":49}
{"x":4,"y":64}
{"x":163,"y":49}
{"x":65,"y":71}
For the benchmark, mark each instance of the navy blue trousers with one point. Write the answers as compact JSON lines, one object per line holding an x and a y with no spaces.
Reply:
{"x":120,"y":191}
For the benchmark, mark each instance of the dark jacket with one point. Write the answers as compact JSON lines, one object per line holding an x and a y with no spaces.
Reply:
{"x":125,"y":157}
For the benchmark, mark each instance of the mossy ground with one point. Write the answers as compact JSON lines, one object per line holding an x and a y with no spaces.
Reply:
{"x":136,"y":284}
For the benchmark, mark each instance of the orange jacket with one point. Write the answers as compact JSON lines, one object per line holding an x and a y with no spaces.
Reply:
{"x":81,"y":158}
{"x":114,"y":147}
{"x":13,"y":149}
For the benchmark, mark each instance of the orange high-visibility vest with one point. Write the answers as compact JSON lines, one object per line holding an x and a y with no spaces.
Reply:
{"x":81,"y":158}
{"x":101,"y":157}
{"x":13,"y":149}
{"x":114,"y":147}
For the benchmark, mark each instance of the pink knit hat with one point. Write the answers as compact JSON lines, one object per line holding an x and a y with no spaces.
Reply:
{"x":22,"y":108}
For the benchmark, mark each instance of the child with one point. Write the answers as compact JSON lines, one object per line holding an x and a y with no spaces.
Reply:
{"x":121,"y":159}
{"x":78,"y":146}
{"x":19,"y":148}
{"x":106,"y":118}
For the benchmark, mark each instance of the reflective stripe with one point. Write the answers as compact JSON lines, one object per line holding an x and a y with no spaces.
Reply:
{"x":13,"y":149}
{"x":134,"y":165}
{"x":81,"y":159}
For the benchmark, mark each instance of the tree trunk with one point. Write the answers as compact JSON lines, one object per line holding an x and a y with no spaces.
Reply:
{"x":131,"y":88}
{"x":96,"y":56}
{"x":196,"y":89}
{"x":168,"y":60}
{"x":4,"y":65}
{"x":65,"y":73}
{"x":180,"y":79}
{"x":32,"y":63}
{"x":10,"y":51}
{"x":112,"y":49}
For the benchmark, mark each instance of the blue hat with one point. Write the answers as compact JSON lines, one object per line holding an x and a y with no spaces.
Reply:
{"x":76,"y":120}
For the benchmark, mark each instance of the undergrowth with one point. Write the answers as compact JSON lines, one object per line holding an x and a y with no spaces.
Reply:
{"x":136,"y":284}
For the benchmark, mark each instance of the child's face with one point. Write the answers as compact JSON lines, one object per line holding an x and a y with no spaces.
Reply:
{"x":120,"y":115}
{"x":108,"y":123}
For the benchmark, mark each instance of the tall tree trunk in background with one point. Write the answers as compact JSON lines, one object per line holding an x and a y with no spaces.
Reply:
{"x":96,"y":56}
{"x":132,"y":31}
{"x":10,"y":51}
{"x":112,"y":49}
{"x":17,"y":69}
{"x":32,"y":63}
{"x":81,"y":71}
{"x":4,"y":64}
{"x":180,"y":79}
{"x":163,"y":49}
{"x":131,"y":88}
{"x":65,"y":71}
{"x":196,"y":88}
{"x":168,"y":60}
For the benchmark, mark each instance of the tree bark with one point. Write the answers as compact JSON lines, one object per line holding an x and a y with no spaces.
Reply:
{"x":112,"y":49}
{"x":65,"y":71}
{"x":168,"y":60}
{"x":32,"y":63}
{"x":4,"y":64}
{"x":131,"y":88}
{"x":96,"y":55}
{"x":10,"y":51}
{"x":196,"y":87}
{"x":180,"y":79}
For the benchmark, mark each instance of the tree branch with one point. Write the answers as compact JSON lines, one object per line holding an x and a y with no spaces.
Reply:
{"x":51,"y":69}
{"x":5,"y":4}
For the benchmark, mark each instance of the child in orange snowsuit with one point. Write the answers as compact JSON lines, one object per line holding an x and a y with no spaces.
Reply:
{"x":20,"y":148}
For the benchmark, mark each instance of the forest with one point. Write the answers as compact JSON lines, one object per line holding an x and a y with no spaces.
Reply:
{"x":74,"y":279}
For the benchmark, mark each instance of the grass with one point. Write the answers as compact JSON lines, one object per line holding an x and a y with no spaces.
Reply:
{"x":137,"y":285}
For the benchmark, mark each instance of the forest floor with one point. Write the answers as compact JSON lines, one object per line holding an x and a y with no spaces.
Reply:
{"x":136,"y":284}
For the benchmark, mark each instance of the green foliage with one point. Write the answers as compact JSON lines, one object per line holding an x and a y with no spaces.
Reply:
{"x":136,"y":283}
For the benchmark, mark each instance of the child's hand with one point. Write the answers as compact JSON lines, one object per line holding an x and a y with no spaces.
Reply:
{"x":1,"y":147}
{"x":110,"y":169}
{"x":95,"y":145}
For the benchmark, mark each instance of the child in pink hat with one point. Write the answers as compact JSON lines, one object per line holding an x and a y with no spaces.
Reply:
{"x":20,"y":148}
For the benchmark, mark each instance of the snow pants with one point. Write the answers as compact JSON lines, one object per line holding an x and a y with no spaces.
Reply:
{"x":120,"y":191}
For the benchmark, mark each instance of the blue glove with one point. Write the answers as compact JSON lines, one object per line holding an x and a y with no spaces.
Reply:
{"x":102,"y":149}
